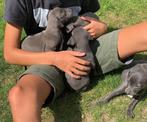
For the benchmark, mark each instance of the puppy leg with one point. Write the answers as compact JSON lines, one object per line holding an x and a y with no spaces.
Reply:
{"x":33,"y":43}
{"x":131,"y":107}
{"x":78,"y":84}
{"x":117,"y":92}
{"x":81,"y":39}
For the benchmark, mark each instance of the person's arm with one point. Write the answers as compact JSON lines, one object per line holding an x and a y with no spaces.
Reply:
{"x":67,"y":61}
{"x":14,"y":55}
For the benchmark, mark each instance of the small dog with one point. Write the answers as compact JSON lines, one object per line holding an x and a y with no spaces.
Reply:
{"x":79,"y":41}
{"x":52,"y":39}
{"x":134,"y":84}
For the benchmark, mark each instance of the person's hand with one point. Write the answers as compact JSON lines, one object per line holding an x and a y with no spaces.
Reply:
{"x":95,"y":27}
{"x":70,"y":62}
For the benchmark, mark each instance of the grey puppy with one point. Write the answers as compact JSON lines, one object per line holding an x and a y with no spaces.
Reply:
{"x":51,"y":37}
{"x":79,"y":40}
{"x":134,"y":84}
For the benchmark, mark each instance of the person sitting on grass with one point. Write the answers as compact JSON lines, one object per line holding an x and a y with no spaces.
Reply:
{"x":44,"y":79}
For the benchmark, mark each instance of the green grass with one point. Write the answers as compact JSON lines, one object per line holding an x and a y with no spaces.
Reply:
{"x":74,"y":107}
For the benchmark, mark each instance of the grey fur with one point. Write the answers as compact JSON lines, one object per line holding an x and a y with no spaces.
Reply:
{"x":134,"y":84}
{"x":80,"y":41}
{"x":52,"y":38}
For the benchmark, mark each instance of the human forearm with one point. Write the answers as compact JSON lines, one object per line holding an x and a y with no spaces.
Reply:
{"x":14,"y":55}
{"x":20,"y":57}
{"x":67,"y":61}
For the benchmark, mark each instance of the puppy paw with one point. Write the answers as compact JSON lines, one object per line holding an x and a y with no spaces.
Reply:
{"x":130,"y":113}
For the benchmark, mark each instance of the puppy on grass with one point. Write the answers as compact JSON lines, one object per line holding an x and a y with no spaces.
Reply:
{"x":134,"y":84}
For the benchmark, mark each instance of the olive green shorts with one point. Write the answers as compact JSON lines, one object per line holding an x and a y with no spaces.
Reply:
{"x":105,"y":51}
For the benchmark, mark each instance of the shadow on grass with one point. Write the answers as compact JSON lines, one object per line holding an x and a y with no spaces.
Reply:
{"x":67,"y":108}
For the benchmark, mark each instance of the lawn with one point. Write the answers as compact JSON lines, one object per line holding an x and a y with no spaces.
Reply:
{"x":76,"y":107}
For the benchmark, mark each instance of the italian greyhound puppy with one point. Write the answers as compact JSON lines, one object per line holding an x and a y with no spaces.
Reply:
{"x":79,"y":41}
{"x":134,"y":84}
{"x":52,"y":37}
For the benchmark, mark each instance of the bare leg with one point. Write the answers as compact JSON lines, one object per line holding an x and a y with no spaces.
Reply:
{"x":27,"y":98}
{"x":132,"y":40}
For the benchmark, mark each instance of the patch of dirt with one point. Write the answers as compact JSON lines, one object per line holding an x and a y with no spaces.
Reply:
{"x":46,"y":116}
{"x":87,"y":118}
{"x":144,"y":111}
{"x":106,"y":118}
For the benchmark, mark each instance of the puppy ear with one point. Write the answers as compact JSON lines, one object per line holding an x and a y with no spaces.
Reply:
{"x":69,"y":28}
{"x":71,"y":42}
{"x":125,"y":75}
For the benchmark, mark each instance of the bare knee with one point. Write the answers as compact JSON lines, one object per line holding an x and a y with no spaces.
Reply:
{"x":143,"y":31}
{"x":132,"y":39}
{"x":19,"y":95}
{"x":15,"y":95}
{"x":28,"y":93}
{"x":24,"y":104}
{"x":144,"y":24}
{"x":140,"y":37}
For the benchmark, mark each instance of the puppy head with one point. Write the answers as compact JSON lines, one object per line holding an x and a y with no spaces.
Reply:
{"x":62,"y":14}
{"x":136,"y":83}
